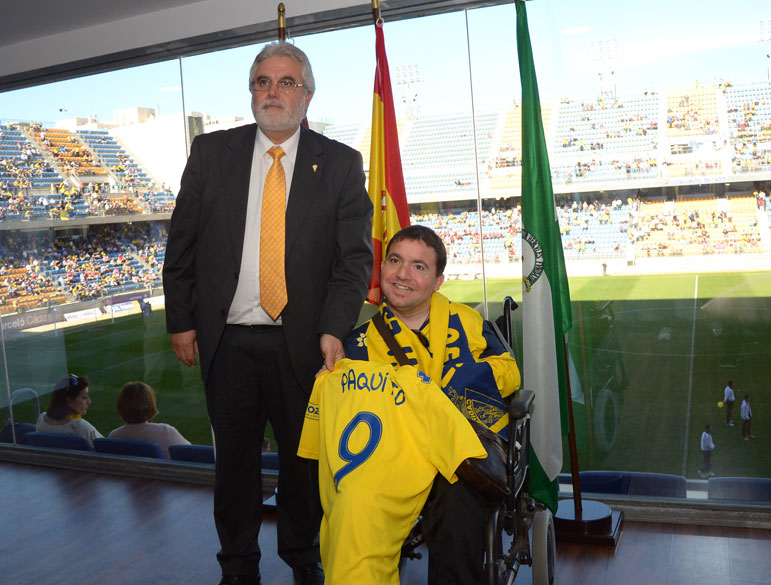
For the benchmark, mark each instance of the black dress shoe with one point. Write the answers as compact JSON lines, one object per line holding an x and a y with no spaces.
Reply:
{"x":311,"y":574}
{"x":240,"y":580}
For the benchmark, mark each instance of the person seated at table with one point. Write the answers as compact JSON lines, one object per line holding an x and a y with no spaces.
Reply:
{"x":64,"y":415}
{"x":136,"y":406}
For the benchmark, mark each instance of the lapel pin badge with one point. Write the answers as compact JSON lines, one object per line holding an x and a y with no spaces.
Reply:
{"x":315,"y":167}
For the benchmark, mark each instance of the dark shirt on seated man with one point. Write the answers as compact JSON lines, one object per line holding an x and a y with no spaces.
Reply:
{"x":453,"y":345}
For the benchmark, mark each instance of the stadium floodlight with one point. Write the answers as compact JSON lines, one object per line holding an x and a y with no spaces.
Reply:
{"x":765,"y":36}
{"x":606,"y":54}
{"x":409,"y":76}
{"x":765,"y":30}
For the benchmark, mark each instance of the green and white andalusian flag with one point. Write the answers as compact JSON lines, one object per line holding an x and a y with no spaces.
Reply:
{"x":545,"y":299}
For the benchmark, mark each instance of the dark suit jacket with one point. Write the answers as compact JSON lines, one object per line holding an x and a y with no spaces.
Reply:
{"x":328,"y":243}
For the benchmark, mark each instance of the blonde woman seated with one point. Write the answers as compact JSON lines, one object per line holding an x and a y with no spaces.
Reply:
{"x":136,"y":406}
{"x":64,"y":415}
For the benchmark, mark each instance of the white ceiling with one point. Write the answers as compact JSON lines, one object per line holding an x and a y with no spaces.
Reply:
{"x":24,"y":20}
{"x":50,"y":40}
{"x":44,"y":40}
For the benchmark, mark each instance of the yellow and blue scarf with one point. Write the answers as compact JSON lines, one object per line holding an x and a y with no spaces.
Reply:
{"x":458,"y":340}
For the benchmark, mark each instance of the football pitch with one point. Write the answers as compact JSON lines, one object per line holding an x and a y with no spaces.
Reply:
{"x":650,"y":355}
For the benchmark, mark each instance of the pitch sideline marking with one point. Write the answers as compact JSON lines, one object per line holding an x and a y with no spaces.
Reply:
{"x":690,"y":378}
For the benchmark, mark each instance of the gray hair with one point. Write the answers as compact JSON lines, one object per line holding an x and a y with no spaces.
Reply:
{"x":284,"y":49}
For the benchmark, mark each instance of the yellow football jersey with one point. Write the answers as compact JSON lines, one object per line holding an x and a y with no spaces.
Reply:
{"x":380,"y":436}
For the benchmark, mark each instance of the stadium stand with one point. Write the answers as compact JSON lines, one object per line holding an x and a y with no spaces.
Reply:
{"x":749,"y":119}
{"x":40,"y":270}
{"x":597,"y":144}
{"x":22,"y":166}
{"x":67,"y":152}
{"x":692,"y":111}
{"x":621,"y":125}
{"x":113,"y":156}
{"x":698,"y":226}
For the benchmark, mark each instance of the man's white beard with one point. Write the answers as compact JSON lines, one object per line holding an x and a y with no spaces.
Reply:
{"x":286,"y":121}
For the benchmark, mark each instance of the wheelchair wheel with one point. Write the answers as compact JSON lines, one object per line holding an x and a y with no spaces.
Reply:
{"x":544,"y":551}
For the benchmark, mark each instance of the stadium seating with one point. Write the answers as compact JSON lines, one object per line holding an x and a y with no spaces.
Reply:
{"x":128,"y":447}
{"x":692,"y":111}
{"x":270,"y":460}
{"x":755,"y":489}
{"x":113,"y":157}
{"x":67,"y":152}
{"x":633,"y":483}
{"x":20,"y":430}
{"x":192,"y":453}
{"x":57,"y":441}
{"x":749,"y":120}
{"x":608,"y":143}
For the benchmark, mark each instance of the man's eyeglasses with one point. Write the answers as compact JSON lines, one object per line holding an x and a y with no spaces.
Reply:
{"x":283,"y":85}
{"x":68,"y":382}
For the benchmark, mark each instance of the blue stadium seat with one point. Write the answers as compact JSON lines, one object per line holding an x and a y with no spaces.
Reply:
{"x":604,"y":482}
{"x":128,"y":447}
{"x":661,"y":485}
{"x":633,"y":483}
{"x":755,"y":489}
{"x":57,"y":441}
{"x":22,"y":429}
{"x":193,"y":453}
{"x":270,"y":461}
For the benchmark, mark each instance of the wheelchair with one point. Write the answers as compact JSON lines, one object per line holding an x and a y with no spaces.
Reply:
{"x":519,"y":531}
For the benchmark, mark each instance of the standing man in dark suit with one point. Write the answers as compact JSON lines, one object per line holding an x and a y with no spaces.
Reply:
{"x":265,"y":299}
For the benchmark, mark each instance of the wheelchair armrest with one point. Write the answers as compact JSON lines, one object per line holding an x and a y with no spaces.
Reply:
{"x":520,"y":403}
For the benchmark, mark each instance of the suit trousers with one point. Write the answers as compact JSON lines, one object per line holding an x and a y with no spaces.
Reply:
{"x":251,"y":381}
{"x":453,"y":520}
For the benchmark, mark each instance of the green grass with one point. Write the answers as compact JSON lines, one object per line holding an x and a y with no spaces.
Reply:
{"x":660,"y":352}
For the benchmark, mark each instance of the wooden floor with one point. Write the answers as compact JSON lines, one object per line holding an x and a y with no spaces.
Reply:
{"x":62,"y":527}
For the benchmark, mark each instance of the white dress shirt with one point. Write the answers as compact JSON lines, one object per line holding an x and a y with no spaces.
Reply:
{"x":245,"y":308}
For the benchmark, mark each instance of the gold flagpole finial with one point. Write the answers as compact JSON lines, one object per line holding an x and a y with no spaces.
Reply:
{"x":376,"y":10}
{"x":281,"y":22}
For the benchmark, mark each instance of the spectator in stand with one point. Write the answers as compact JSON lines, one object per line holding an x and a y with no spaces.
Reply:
{"x":136,"y":406}
{"x":69,"y":403}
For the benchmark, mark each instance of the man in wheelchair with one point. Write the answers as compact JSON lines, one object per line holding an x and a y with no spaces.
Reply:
{"x":456,"y":348}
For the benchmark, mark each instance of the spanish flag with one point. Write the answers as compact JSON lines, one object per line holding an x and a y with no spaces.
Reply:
{"x":386,"y":181}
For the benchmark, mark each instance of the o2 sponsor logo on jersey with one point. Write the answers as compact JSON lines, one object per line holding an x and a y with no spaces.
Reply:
{"x":312,"y":411}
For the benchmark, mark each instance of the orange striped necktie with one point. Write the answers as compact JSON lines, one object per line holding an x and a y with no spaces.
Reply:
{"x":272,"y":228}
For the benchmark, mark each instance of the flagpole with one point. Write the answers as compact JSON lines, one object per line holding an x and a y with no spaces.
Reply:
{"x":282,"y":37}
{"x":375,"y":10}
{"x":574,"y":470}
{"x":281,"y":22}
